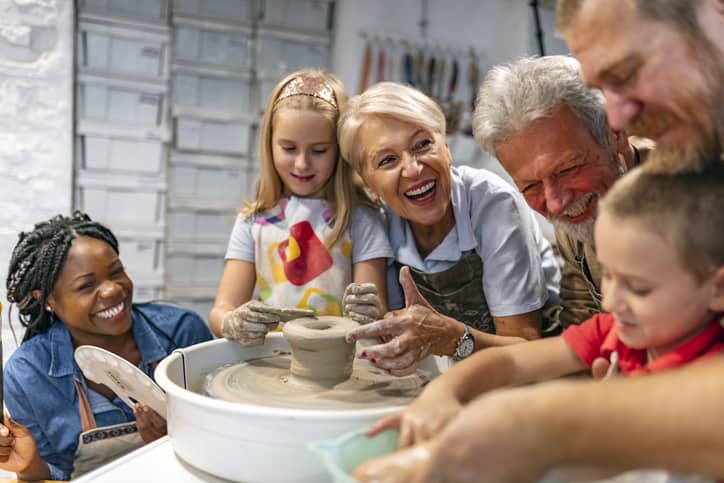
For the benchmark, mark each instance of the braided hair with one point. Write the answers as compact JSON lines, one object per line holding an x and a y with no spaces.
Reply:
{"x":37,"y":261}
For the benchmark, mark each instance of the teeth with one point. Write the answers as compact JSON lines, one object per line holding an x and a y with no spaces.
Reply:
{"x":421,"y":189}
{"x":577,"y":208}
{"x":112,"y":312}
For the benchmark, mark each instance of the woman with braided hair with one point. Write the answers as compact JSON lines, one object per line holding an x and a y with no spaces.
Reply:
{"x":71,"y":289}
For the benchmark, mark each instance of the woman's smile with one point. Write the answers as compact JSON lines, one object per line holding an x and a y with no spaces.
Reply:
{"x":422,"y":192}
{"x":115,"y":312}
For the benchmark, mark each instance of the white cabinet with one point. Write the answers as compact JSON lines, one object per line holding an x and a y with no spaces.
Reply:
{"x":122,"y":50}
{"x":169,"y":96}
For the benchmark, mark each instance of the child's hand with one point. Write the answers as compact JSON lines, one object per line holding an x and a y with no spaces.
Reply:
{"x":17,"y":447}
{"x":422,"y":419}
{"x":361,"y":302}
{"x":151,"y":425}
{"x":600,"y":367}
{"x":249,"y":323}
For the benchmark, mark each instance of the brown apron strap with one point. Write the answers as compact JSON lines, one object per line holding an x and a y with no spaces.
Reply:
{"x":87,"y":420}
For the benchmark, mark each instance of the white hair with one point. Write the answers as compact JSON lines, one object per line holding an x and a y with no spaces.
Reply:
{"x":517,"y":94}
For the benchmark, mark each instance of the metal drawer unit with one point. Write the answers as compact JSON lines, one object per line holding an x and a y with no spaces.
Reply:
{"x":152,"y":11}
{"x":212,"y":79}
{"x":240,"y":12}
{"x":199,"y":91}
{"x":304,"y":15}
{"x":122,"y":129}
{"x":282,"y":52}
{"x":207,"y":177}
{"x":123,"y":49}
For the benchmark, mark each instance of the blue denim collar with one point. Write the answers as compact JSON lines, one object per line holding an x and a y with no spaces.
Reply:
{"x":62,"y":362}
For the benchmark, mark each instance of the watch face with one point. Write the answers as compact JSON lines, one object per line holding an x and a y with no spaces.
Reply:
{"x":466,"y":347}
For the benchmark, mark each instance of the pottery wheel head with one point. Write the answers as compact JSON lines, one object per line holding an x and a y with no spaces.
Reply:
{"x":326,"y":327}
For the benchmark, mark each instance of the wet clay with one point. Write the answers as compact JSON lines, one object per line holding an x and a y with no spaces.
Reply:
{"x":320,"y":373}
{"x":320,"y":355}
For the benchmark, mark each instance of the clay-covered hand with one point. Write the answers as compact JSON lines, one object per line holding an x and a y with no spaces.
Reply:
{"x":414,"y":332}
{"x":249,"y":323}
{"x":361,"y":302}
{"x":485,"y":439}
{"x":17,"y":447}
{"x":150,"y":424}
{"x":408,"y":465}
{"x":483,"y":443}
{"x":423,"y":418}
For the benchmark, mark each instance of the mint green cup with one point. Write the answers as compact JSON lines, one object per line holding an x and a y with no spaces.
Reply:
{"x":342,"y":455}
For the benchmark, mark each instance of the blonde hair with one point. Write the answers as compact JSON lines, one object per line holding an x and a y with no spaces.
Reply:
{"x":342,"y":191}
{"x":666,"y":204}
{"x":390,"y":100}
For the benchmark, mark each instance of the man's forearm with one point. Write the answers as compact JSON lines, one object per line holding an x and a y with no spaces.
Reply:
{"x":673,"y":420}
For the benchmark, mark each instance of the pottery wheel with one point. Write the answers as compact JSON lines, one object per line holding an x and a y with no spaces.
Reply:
{"x":266,"y":382}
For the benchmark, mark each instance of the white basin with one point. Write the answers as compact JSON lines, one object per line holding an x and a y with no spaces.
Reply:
{"x":245,"y":442}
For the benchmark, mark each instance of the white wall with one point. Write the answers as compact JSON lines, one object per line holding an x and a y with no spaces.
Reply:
{"x":36,"y":109}
{"x":502,"y":30}
{"x":552,"y":41}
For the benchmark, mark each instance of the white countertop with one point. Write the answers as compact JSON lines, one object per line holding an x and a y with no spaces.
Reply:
{"x":157,"y":462}
{"x":153,"y":462}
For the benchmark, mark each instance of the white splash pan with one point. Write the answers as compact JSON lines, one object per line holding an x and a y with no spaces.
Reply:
{"x":250,"y":443}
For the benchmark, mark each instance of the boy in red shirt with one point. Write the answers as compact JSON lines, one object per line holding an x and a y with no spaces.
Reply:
{"x":660,"y":241}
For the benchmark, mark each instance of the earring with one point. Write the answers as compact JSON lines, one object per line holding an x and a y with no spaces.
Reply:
{"x":48,"y":309}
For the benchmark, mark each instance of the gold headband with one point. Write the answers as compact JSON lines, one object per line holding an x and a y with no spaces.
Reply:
{"x":305,"y":85}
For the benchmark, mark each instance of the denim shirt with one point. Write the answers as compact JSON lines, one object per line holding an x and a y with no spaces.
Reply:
{"x":40,"y":393}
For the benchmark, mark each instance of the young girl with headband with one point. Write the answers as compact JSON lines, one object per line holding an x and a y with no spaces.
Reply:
{"x":310,"y":231}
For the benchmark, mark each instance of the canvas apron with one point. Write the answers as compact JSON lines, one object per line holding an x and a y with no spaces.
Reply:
{"x":98,"y":446}
{"x":294,"y":268}
{"x":458,"y":293}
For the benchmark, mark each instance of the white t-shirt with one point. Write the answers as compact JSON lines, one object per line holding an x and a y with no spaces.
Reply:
{"x":366,"y":231}
{"x":520,"y":273}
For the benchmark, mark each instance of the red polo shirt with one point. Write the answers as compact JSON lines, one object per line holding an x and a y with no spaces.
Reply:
{"x":597,"y":337}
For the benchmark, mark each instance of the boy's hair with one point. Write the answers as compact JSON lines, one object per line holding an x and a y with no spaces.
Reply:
{"x":385,"y":100}
{"x":37,"y":260}
{"x":686,"y":209}
{"x":343,"y":192}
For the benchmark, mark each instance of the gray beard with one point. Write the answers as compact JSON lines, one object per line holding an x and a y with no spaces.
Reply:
{"x":582,"y":232}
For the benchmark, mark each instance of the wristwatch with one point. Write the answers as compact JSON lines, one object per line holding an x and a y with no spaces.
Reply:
{"x":465,"y":346}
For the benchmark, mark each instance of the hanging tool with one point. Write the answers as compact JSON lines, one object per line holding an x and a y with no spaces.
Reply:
{"x":366,"y":67}
{"x":381,"y":63}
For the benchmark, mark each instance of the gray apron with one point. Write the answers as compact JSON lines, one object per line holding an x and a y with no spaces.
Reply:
{"x":458,"y":292}
{"x":98,"y":446}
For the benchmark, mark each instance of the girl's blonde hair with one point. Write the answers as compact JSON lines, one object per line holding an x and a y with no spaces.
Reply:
{"x":343,"y":192}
